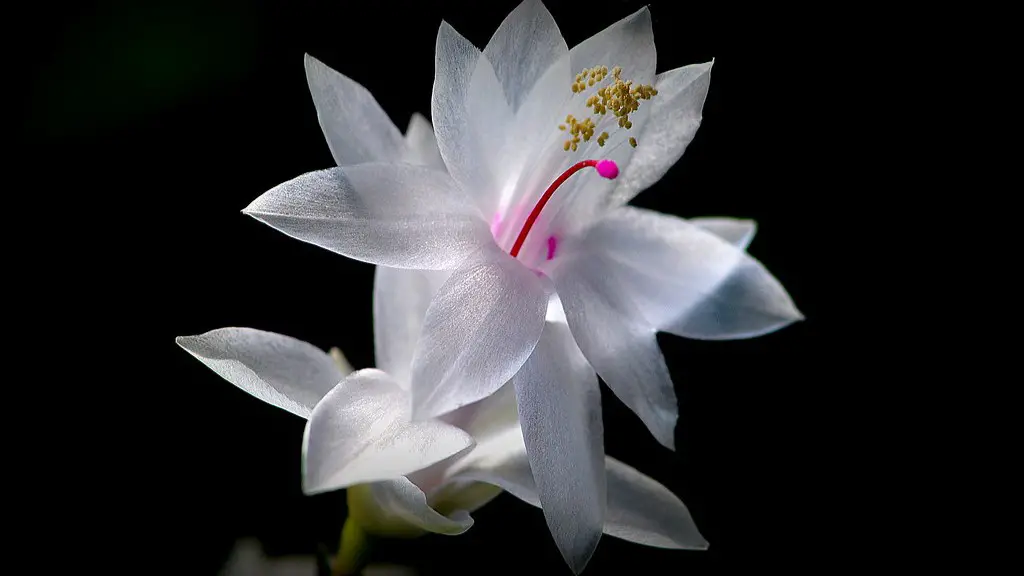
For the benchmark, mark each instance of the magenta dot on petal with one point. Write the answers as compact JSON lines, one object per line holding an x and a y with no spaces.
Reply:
{"x":552,"y":246}
{"x":608,"y":169}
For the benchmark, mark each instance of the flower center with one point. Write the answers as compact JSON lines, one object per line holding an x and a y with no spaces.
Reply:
{"x":609,"y":98}
{"x":606,"y":168}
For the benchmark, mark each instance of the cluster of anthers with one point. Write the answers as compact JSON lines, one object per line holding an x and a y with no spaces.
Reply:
{"x":620,"y":97}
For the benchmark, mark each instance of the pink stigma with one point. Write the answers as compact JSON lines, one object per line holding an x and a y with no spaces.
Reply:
{"x":552,"y":246}
{"x":606,"y":168}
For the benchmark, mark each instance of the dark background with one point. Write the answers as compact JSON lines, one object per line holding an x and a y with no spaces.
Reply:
{"x":173,"y":115}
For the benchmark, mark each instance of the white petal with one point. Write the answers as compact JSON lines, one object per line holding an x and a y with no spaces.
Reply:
{"x":619,"y":342}
{"x":643,"y":511}
{"x":560,"y":410}
{"x":400,"y":301}
{"x":688,"y":281}
{"x":361,"y":432}
{"x":675,"y":115}
{"x":639,"y":509}
{"x":524,"y":47}
{"x":356,"y":128}
{"x":735,"y":231}
{"x":479,"y":330}
{"x":492,"y":416}
{"x":277,"y":369}
{"x":421,"y":145}
{"x":389,"y":214}
{"x":471,"y":118}
{"x":628,"y":43}
{"x":399,"y":503}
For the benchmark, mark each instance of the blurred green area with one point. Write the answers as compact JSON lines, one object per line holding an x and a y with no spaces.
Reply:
{"x":114,"y":64}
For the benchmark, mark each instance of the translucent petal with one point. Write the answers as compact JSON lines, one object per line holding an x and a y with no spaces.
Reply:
{"x":524,"y":47}
{"x":628,"y":43}
{"x":735,"y":231}
{"x":639,"y":508}
{"x":491,"y":416}
{"x":479,"y":330}
{"x":421,"y":144}
{"x":675,"y":115}
{"x":560,"y":410}
{"x":688,"y":281}
{"x":361,"y":432}
{"x":614,"y":335}
{"x":471,"y":119}
{"x":643,"y":511}
{"x":400,"y":301}
{"x":277,"y":369}
{"x":356,"y":128}
{"x":389,"y":214}
{"x":395,"y":506}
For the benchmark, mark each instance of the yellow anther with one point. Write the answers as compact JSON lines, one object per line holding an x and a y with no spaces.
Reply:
{"x":632,"y":142}
{"x":620,"y":96}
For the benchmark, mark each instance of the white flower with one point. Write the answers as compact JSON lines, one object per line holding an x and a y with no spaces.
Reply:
{"x":407,"y":476}
{"x":619,"y":273}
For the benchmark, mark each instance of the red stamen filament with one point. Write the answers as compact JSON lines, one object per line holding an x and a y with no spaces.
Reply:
{"x":608,"y":169}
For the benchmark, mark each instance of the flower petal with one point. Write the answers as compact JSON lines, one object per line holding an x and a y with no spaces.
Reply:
{"x":479,"y":330}
{"x":628,"y":43}
{"x":361,"y":432}
{"x":400,"y":302}
{"x":523,"y":48}
{"x":356,"y":128}
{"x":690,"y":282}
{"x":389,"y":214}
{"x":560,"y":410}
{"x":675,"y":115}
{"x":620,"y":344}
{"x":735,"y":231}
{"x":643,"y":511}
{"x":277,"y":369}
{"x":639,"y":508}
{"x":395,"y":506}
{"x":471,"y":118}
{"x":421,"y":144}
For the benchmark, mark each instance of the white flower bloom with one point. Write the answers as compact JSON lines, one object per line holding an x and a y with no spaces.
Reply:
{"x":408,"y":476}
{"x":518,"y":232}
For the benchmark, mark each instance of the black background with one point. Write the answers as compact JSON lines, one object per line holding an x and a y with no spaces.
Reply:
{"x":173,"y":115}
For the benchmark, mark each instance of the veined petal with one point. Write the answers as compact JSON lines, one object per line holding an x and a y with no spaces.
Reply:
{"x":735,"y":231}
{"x":639,"y":508}
{"x":361,"y":432}
{"x":471,"y":118}
{"x":479,"y":330}
{"x":388,"y":214}
{"x":421,"y":144}
{"x":492,"y":416}
{"x":356,"y":128}
{"x":400,"y":302}
{"x":280,"y":370}
{"x":614,"y":335}
{"x":675,"y":115}
{"x":398,"y":506}
{"x":523,"y":48}
{"x":688,"y":281}
{"x":628,"y":43}
{"x":560,"y":410}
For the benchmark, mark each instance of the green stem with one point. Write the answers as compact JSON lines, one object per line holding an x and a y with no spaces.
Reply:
{"x":354,"y":550}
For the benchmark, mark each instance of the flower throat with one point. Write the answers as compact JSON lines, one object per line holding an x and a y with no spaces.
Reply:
{"x":619,"y":97}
